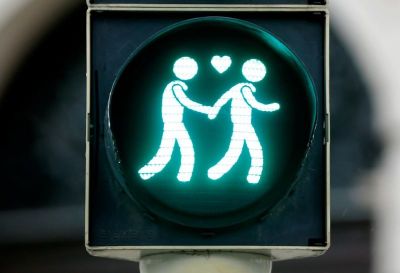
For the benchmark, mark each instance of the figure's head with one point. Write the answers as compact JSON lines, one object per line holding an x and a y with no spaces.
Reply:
{"x":254,"y":70}
{"x":185,"y":68}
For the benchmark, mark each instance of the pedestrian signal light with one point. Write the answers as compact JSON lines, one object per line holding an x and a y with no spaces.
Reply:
{"x":209,"y":122}
{"x":207,"y":128}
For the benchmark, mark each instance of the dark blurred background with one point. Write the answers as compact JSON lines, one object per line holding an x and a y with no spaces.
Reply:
{"x":42,"y":145}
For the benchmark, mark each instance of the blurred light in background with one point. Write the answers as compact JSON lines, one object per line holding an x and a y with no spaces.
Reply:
{"x":370,"y":29}
{"x":42,"y":117}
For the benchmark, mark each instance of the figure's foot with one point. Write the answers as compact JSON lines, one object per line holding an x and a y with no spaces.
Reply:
{"x":184,"y":177}
{"x":145,"y":173}
{"x":253,"y":179}
{"x":214,"y":173}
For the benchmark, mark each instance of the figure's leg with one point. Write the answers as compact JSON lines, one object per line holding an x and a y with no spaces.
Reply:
{"x":230,"y":157}
{"x":187,"y":154}
{"x":162,"y":157}
{"x":256,"y":154}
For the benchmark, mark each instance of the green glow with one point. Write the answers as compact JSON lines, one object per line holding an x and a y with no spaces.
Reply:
{"x":173,"y":102}
{"x":221,"y":64}
{"x":185,"y":68}
{"x":162,"y":145}
{"x":243,"y":132}
{"x":254,"y":70}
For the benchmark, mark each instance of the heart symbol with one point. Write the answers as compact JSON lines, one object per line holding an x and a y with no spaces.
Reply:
{"x":221,"y":64}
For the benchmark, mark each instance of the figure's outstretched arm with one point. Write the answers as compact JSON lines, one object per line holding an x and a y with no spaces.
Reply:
{"x":251,"y":100}
{"x":177,"y":89}
{"x":218,"y":105}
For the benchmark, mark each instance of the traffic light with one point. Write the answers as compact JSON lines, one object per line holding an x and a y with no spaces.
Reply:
{"x":207,"y":128}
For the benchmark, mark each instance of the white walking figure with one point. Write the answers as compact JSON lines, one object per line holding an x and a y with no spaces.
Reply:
{"x":242,"y":104}
{"x":174,"y":100}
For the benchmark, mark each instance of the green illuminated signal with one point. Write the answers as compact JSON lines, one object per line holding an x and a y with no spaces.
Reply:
{"x":221,"y":64}
{"x":173,"y":103}
{"x":243,"y":132}
{"x":232,"y":163}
